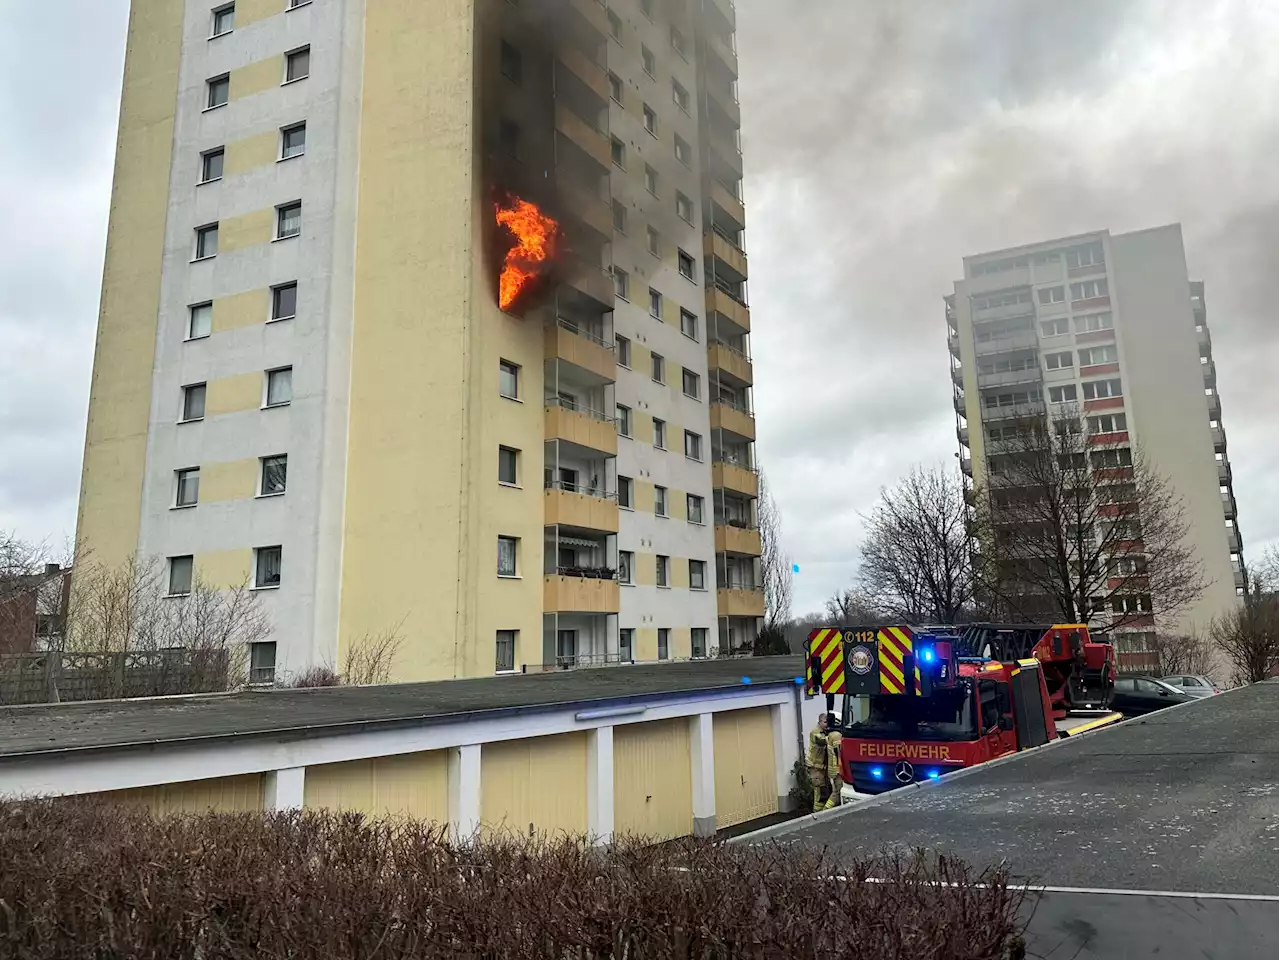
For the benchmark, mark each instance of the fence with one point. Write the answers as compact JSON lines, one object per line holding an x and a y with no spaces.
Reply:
{"x":53,"y":677}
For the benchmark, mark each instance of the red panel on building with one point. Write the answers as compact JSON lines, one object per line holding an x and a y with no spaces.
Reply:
{"x":1106,"y":403}
{"x":1099,"y":368}
{"x":1120,"y":436}
{"x":1094,"y":336}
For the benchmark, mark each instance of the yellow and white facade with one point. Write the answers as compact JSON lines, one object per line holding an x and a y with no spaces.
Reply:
{"x":566,"y":486}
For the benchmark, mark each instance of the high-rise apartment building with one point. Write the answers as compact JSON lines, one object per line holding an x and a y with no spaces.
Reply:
{"x":304,"y":379}
{"x":1110,"y":328}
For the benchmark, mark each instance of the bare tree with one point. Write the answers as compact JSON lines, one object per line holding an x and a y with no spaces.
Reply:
{"x":1075,"y":525}
{"x":1248,"y":635}
{"x":370,"y":658}
{"x":775,"y":564}
{"x":917,"y":561}
{"x":852,"y":606}
{"x":1183,"y":653}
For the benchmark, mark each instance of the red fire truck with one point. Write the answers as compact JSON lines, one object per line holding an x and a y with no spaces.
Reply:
{"x":920,"y":702}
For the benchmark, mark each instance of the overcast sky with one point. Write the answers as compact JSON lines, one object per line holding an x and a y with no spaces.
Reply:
{"x":883,"y":141}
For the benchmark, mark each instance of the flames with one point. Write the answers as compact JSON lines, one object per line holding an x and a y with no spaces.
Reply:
{"x":528,"y":258}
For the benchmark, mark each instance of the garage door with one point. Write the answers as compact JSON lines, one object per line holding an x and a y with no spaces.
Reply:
{"x":652,"y":788}
{"x":745,"y":782}
{"x":412,"y":785}
{"x":535,"y":785}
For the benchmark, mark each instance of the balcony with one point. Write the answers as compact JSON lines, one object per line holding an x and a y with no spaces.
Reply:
{"x":726,"y":148}
{"x":735,"y":311}
{"x":573,"y":590}
{"x":1228,"y":506}
{"x":1219,"y":438}
{"x":1010,"y":377}
{"x":723,"y":100}
{"x":1014,"y":411}
{"x":739,"y":602}
{"x":586,"y":70}
{"x":1233,"y":539}
{"x":582,"y":134}
{"x":733,"y":419}
{"x":737,"y":479}
{"x":579,"y":200}
{"x":733,"y":365}
{"x":719,"y":47}
{"x":1004,"y":312}
{"x":572,"y":345}
{"x":962,"y":434}
{"x":594,"y":13}
{"x":966,"y":466}
{"x":1022,"y":340}
{"x":1224,"y":472}
{"x":1210,"y":372}
{"x":588,"y":429}
{"x":1238,"y":575}
{"x":725,"y":9}
{"x":1214,"y":403}
{"x":589,"y":279}
{"x":1203,"y":338}
{"x":724,"y":199}
{"x":567,"y":507}
{"x":953,"y":344}
{"x":730,"y":260}
{"x":957,"y":376}
{"x":957,"y":401}
{"x":734,"y":537}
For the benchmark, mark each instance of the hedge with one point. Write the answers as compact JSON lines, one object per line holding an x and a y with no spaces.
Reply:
{"x":82,"y":879}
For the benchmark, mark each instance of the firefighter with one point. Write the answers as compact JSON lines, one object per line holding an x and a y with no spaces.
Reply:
{"x":817,"y":763}
{"x":833,"y":768}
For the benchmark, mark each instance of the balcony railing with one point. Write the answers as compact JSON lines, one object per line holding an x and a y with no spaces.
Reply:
{"x":575,"y":328}
{"x":733,"y":405}
{"x":579,"y":408}
{"x":740,"y":523}
{"x":588,"y":573}
{"x":589,"y":489}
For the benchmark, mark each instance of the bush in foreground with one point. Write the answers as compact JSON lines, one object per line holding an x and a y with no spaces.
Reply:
{"x":88,"y":880}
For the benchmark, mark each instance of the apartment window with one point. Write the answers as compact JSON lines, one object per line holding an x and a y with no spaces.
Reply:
{"x":275,"y":475}
{"x":680,"y":95}
{"x":647,"y":59}
{"x":505,"y":651}
{"x":655,"y":242}
{"x":279,"y":387}
{"x":677,"y":41}
{"x":623,"y":347}
{"x":1085,"y":256}
{"x":1089,"y":289}
{"x":683,"y":152}
{"x":660,"y":501}
{"x":663,"y":570}
{"x":658,"y":368}
{"x":188,"y":487}
{"x":693,"y":508}
{"x":618,"y":153}
{"x":297,"y":65}
{"x":690,"y":383}
{"x":698,"y":641}
{"x":655,"y":303}
{"x":509,"y":137}
{"x":211,"y":165}
{"x":1063,"y":428}
{"x":619,"y":217}
{"x":684,"y":208}
{"x":1054,"y":328}
{"x":193,"y":402}
{"x":615,"y":87}
{"x":650,"y":120}
{"x":625,"y":488}
{"x":1100,"y":389}
{"x":224,"y":20}
{"x":262,"y":658}
{"x":685,"y":264}
{"x":1063,"y":394}
{"x":660,"y":433}
{"x":624,"y":420}
{"x":1108,"y":423}
{"x":621,"y":283}
{"x":508,"y":380}
{"x":284,"y":301}
{"x":217,"y":91}
{"x":293,"y":141}
{"x":294,"y":4}
{"x":697,"y":574}
{"x":266,"y":566}
{"x":180,"y":575}
{"x":199,"y":321}
{"x":625,"y":644}
{"x":206,"y":242}
{"x":692,"y":445}
{"x":507,"y":550}
{"x":615,"y":25}
{"x":689,"y":324}
{"x":651,"y":179}
{"x":1091,"y":356}
{"x":1057,"y":361}
{"x":288,"y":220}
{"x":626,"y":566}
{"x":1052,"y":295}
{"x":1089,"y":322}
{"x":664,"y":643}
{"x":508,"y":465}
{"x":1123,"y":457}
{"x":510,"y":60}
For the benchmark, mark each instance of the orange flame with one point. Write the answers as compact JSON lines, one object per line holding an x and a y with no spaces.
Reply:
{"x":535,"y":235}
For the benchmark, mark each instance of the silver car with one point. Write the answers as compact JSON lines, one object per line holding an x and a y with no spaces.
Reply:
{"x":1193,"y":685}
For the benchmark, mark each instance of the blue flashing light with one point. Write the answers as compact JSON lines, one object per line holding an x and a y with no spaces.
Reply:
{"x":877,"y":773}
{"x":926,"y":654}
{"x":799,"y":681}
{"x":746,"y":679}
{"x":934,"y":774}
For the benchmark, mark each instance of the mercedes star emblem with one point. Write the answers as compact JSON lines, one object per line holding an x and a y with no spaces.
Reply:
{"x":903,"y":772}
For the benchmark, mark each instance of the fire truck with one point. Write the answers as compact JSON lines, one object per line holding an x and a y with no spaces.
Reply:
{"x":921,"y":702}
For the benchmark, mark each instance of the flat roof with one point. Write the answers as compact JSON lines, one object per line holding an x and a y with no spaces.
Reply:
{"x":101,"y":724}
{"x":1179,"y":800}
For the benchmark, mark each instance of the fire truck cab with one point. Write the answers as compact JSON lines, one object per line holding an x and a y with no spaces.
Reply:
{"x":916,"y":708}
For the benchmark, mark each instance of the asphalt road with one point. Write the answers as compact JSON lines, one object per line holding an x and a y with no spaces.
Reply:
{"x":1183,"y":803}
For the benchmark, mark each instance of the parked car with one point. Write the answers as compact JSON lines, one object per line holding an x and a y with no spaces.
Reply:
{"x":1137,"y":695}
{"x":1195,"y":685}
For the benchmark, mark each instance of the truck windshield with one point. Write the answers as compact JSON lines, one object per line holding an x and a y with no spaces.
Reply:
{"x":947,"y":715}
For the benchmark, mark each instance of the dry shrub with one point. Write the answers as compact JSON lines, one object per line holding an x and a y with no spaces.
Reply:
{"x":82,"y":879}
